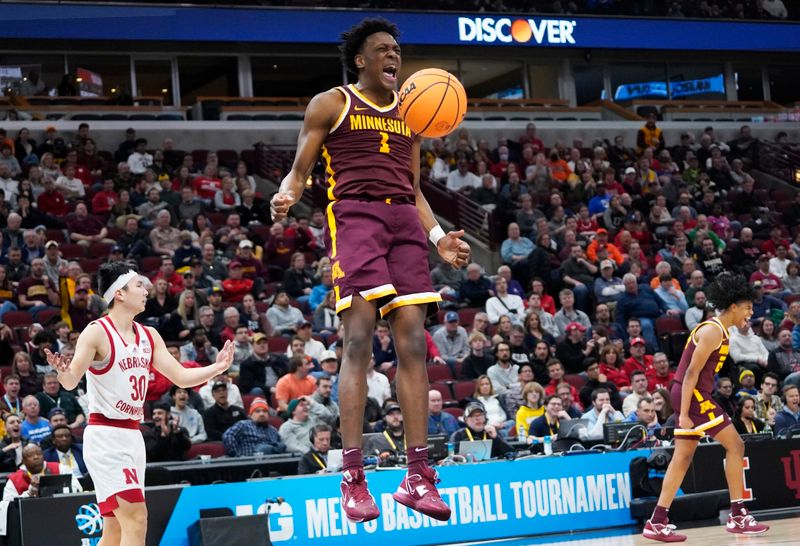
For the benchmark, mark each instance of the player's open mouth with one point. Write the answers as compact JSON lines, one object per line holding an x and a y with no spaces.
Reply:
{"x":390,"y":73}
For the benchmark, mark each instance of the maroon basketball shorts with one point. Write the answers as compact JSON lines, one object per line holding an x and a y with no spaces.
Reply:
{"x":379,"y":251}
{"x":708,"y":418}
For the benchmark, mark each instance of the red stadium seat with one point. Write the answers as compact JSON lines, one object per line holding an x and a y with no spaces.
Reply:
{"x":275,"y":421}
{"x":100,"y":250}
{"x":91,"y":265}
{"x":443,"y":388}
{"x":439,"y":372}
{"x":56,"y":235}
{"x":48,"y":316}
{"x":463,"y":389}
{"x":455,"y":412}
{"x":247,"y":399}
{"x":71,"y":251}
{"x":668,"y":325}
{"x":467,"y":315}
{"x":575,"y":380}
{"x":278,"y":344}
{"x":149,"y":264}
{"x":13,"y":319}
{"x":391,"y":373}
{"x":215,"y":449}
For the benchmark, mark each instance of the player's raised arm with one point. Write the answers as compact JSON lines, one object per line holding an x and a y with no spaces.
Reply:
{"x":321,"y":114}
{"x":450,"y":246}
{"x":187,"y":377}
{"x":71,"y":371}
{"x":708,"y":340}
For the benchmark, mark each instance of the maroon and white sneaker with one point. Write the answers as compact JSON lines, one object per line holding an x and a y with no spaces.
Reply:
{"x":358,"y":503}
{"x":745,"y":524}
{"x":418,"y":492}
{"x":662,"y":532}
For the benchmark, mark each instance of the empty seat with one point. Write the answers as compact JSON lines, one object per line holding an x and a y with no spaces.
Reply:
{"x":13,"y":319}
{"x":86,"y":117}
{"x":214,"y":449}
{"x":463,"y":389}
{"x":174,"y":116}
{"x":444,"y":389}
{"x":239,"y":117}
{"x":439,"y":372}
{"x":115,"y":117}
{"x":72,"y":250}
{"x":265,"y":117}
{"x":290,"y":117}
{"x":142,"y":117}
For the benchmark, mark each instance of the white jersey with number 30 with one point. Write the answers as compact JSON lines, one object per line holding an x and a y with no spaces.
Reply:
{"x":117,"y":386}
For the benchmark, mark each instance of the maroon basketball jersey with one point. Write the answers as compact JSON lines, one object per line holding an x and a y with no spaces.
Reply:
{"x":705,"y":382}
{"x":368,"y":151}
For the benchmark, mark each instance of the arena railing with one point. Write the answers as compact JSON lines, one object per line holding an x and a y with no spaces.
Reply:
{"x":780,"y":160}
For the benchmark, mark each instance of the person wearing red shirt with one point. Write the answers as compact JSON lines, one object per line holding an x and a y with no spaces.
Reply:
{"x":168,"y":273}
{"x":769,"y":281}
{"x":530,"y":136}
{"x":235,"y":286}
{"x":659,"y":376}
{"x":775,"y":240}
{"x":638,"y":360}
{"x":611,"y":183}
{"x":25,"y":481}
{"x":610,"y":366}
{"x":433,"y":355}
{"x":81,"y":172}
{"x":104,"y":200}
{"x":279,"y":248}
{"x":52,"y":201}
{"x":207,"y":184}
{"x":545,"y":300}
{"x":555,"y":371}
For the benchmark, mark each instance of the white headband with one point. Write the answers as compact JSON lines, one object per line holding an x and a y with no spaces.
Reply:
{"x":121,"y":282}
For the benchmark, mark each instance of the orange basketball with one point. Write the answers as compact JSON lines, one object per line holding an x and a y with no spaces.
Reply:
{"x":432,"y":102}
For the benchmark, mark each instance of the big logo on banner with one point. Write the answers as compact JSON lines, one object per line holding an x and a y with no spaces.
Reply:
{"x":489,"y":500}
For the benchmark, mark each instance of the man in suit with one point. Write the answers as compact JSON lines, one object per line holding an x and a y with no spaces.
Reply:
{"x":67,"y":454}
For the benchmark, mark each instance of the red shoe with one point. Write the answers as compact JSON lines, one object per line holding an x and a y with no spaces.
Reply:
{"x":358,"y":503}
{"x":662,"y":532}
{"x":418,"y":492}
{"x":745,"y":524}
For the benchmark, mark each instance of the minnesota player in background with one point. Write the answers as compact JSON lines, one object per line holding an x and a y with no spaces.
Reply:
{"x":117,"y":353}
{"x":377,"y":220}
{"x":697,"y":413}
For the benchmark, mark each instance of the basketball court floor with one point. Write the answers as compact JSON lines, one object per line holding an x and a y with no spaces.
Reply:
{"x":784,"y":531}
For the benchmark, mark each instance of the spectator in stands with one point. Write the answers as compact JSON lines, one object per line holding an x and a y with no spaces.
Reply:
{"x":52,"y":201}
{"x":723,"y":395}
{"x":69,"y":185}
{"x":745,"y":420}
{"x":30,"y":381}
{"x":559,"y":169}
{"x":189,"y":206}
{"x":259,"y":373}
{"x":439,"y":422}
{"x":608,"y":287}
{"x":476,"y":288}
{"x":53,"y":396}
{"x":478,"y":429}
{"x":599,"y":243}
{"x":164,"y":238}
{"x":649,"y":136}
{"x":639,"y":386}
{"x":745,"y":147}
{"x":322,"y":408}
{"x":255,"y":435}
{"x":596,"y":379}
{"x":578,"y":274}
{"x":226,"y":199}
{"x":12,"y":443}
{"x":221,"y":415}
{"x":516,"y":247}
{"x":307,"y":344}
{"x":641,"y":302}
{"x":447,"y":279}
{"x":504,"y":304}
{"x":791,"y":282}
{"x":298,"y":280}
{"x":486,"y":195}
{"x":492,"y":402}
{"x":7,"y":159}
{"x":378,"y":387}
{"x":11,"y":402}
{"x":602,"y":412}
{"x":279,"y":247}
{"x":24,"y":482}
{"x":148,"y":211}
{"x":35,"y":428}
{"x":533,"y":397}
{"x":199,"y":349}
{"x":295,"y":431}
{"x":697,"y":313}
{"x":451,"y":340}
{"x":638,"y":359}
{"x":187,"y":417}
{"x":478,"y":361}
{"x":784,"y":361}
{"x":766,"y":401}
{"x":235,"y":286}
{"x":764,"y":304}
{"x":67,"y":454}
{"x":535,"y":332}
{"x":36,"y":293}
{"x":513,"y":398}
{"x":527,"y":216}
{"x":504,"y":372}
{"x":575,"y":348}
{"x":139,"y":160}
{"x":568,"y":314}
{"x":165,"y":440}
{"x":462,"y":180}
{"x":296,"y":383}
{"x":85,"y":229}
{"x":789,"y":417}
{"x":16,"y":269}
{"x":283,"y":316}
{"x":567,"y":392}
{"x":315,"y":461}
{"x":659,"y":376}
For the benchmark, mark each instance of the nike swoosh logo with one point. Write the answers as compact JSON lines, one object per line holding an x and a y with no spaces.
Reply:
{"x":420,"y":449}
{"x":359,"y":109}
{"x":346,"y":451}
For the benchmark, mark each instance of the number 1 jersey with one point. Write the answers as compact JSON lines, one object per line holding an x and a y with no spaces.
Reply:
{"x":368,"y":151}
{"x":117,"y":386}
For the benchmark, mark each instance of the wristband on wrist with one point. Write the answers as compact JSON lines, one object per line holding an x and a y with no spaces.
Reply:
{"x":436,"y":234}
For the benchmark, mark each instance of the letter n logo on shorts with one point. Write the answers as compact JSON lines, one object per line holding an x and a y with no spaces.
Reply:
{"x":130,"y":476}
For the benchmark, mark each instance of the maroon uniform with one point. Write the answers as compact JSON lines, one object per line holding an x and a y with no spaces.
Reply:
{"x":707,"y":417}
{"x":374,"y":238}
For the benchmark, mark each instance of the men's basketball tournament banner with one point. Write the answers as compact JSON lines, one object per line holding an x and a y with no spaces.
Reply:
{"x":489,"y":500}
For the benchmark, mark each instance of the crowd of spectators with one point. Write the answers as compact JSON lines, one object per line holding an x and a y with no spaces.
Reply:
{"x":716,"y":9}
{"x":608,"y":251}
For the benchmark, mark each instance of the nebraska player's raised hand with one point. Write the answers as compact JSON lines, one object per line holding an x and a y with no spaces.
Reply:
{"x":225,"y":357}
{"x":453,"y":250}
{"x":279,"y":205}
{"x":57,"y":360}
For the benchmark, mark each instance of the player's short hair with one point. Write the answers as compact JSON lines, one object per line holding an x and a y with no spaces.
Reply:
{"x":110,"y":272}
{"x":728,"y":289}
{"x":353,"y":39}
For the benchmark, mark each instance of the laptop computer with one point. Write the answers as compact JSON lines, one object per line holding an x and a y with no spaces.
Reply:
{"x":481,"y":450}
{"x":574,"y":429}
{"x":55,"y":484}
{"x":616,"y":433}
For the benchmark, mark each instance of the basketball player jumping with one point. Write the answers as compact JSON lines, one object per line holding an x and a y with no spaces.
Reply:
{"x":118,"y":352}
{"x":376,"y":243}
{"x":698,"y":415}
